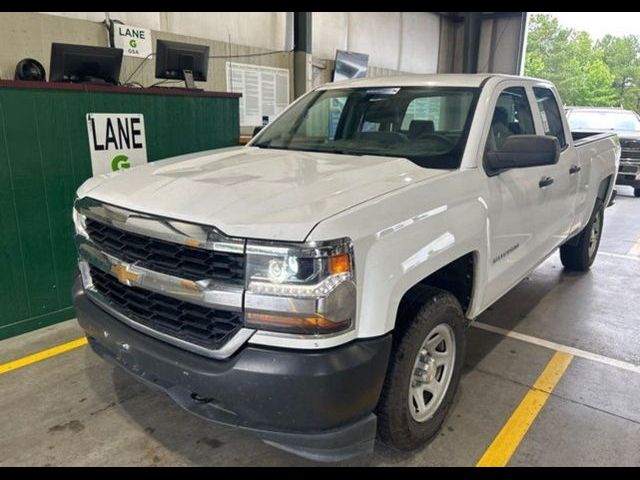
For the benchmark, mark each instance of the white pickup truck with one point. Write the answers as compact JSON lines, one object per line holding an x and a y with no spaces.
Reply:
{"x":314,"y":286}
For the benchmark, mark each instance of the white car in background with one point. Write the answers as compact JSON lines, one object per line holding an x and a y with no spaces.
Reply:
{"x":626,"y":124}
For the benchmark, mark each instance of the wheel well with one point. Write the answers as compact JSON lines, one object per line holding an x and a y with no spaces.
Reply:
{"x":455,"y":277}
{"x":603,"y":188}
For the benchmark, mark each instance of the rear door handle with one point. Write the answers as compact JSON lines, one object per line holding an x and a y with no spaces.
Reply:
{"x":574,"y":169}
{"x":545,"y":182}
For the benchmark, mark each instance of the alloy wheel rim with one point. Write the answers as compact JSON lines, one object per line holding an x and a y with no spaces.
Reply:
{"x":432,"y":372}
{"x":594,"y":235}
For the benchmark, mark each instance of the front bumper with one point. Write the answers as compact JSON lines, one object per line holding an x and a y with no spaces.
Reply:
{"x":315,"y":404}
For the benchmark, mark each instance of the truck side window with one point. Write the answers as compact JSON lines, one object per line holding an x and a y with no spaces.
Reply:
{"x":550,"y":113}
{"x":512,"y":116}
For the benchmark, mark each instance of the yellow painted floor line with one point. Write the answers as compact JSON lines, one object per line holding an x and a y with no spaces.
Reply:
{"x":506,"y":442}
{"x":635,"y":250}
{"x":43,"y":355}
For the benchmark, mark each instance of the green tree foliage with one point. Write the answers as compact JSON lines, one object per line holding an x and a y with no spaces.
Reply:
{"x":622,"y":56}
{"x":601,"y":73}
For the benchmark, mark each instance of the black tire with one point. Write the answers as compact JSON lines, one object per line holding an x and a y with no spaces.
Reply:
{"x":420,"y":312}
{"x":577,"y":256}
{"x":636,"y":192}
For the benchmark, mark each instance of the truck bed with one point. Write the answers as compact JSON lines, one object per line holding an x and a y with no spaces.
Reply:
{"x":582,"y":137}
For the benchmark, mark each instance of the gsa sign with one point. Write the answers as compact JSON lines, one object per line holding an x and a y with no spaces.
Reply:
{"x":134,"y":41}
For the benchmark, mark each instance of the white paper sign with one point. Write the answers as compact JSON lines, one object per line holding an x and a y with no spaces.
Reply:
{"x":265,"y":91}
{"x":134,"y":41}
{"x":116,"y":141}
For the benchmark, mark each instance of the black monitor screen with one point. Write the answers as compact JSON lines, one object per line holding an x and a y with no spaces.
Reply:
{"x":173,"y":58}
{"x":84,"y":63}
{"x":350,"y":65}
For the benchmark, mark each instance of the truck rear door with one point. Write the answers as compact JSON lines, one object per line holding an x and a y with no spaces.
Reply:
{"x":559,"y":197}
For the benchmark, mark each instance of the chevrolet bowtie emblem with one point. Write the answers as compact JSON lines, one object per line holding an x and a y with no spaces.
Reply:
{"x":123,"y":275}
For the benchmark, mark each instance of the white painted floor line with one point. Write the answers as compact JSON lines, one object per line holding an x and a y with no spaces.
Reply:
{"x":620,"y":255}
{"x":559,"y":347}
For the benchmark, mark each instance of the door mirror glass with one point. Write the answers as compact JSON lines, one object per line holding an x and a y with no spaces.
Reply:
{"x":519,"y":151}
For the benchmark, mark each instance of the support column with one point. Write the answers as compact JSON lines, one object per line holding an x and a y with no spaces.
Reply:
{"x":302,"y":59}
{"x":471,"y":45}
{"x":522,"y":43}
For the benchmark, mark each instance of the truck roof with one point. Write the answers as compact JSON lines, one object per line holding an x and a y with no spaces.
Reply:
{"x":425,"y":80}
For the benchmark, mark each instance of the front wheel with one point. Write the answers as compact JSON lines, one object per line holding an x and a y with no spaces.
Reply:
{"x":580,"y":255}
{"x":636,"y":191}
{"x":424,"y":369}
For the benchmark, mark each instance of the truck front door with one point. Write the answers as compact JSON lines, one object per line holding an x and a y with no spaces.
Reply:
{"x":516,"y":197}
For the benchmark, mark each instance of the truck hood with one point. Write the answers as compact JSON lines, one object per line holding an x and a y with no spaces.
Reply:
{"x":255,"y":193}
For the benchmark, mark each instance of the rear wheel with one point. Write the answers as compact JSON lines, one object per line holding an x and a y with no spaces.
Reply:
{"x":581,"y":255}
{"x":424,"y":369}
{"x":636,"y":191}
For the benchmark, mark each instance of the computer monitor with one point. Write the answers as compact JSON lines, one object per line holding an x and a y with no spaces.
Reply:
{"x":84,"y":63}
{"x":350,"y":65}
{"x":175,"y":60}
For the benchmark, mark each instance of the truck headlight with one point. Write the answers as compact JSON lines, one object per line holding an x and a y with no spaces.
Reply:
{"x":300,"y":288}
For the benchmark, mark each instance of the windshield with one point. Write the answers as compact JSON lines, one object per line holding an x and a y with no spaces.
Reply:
{"x":428,"y":126}
{"x":601,"y":120}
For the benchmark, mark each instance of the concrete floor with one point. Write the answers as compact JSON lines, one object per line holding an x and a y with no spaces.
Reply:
{"x":74,"y":409}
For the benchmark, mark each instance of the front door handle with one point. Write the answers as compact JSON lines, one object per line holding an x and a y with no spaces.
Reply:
{"x":574,"y":169}
{"x":545,"y":182}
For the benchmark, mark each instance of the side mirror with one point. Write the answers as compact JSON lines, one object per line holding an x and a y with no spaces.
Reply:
{"x":519,"y":151}
{"x":256,"y":131}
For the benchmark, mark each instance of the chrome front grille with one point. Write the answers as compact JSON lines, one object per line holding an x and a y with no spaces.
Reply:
{"x":632,"y":154}
{"x":630,"y":150}
{"x":204,"y":326}
{"x":182,"y":261}
{"x":180,"y":282}
{"x":629,"y":169}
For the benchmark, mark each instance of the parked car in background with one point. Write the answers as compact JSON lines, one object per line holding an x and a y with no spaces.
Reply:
{"x":626,"y":123}
{"x":314,"y":287}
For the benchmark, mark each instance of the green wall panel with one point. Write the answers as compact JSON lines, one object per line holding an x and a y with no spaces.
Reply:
{"x":44,"y":157}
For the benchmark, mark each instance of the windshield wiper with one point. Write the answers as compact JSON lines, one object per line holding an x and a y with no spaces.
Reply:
{"x":339,"y":151}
